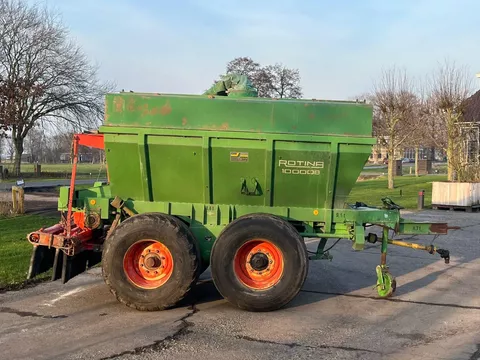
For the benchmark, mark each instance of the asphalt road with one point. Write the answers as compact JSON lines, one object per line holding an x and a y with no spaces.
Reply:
{"x":434,"y":315}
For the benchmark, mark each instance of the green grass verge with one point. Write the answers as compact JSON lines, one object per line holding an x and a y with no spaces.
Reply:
{"x":15,"y":250}
{"x":405,"y":193}
{"x":374,"y":170}
{"x":406,"y":169}
{"x":82,"y":168}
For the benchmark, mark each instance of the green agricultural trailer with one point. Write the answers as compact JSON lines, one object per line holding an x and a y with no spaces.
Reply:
{"x":232,"y":182}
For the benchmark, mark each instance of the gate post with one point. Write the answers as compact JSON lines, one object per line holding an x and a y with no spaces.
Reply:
{"x":18,"y":200}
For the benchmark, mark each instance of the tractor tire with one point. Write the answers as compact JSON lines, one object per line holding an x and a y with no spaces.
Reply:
{"x":203,"y":264}
{"x":151,"y":261}
{"x":259,"y":262}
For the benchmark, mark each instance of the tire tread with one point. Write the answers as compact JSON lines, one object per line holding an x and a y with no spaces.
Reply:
{"x":176,"y":226}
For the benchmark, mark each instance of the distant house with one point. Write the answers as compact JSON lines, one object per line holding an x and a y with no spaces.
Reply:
{"x":471,"y":112}
{"x":27,"y":158}
{"x":379,"y":153}
{"x":82,"y":158}
{"x":88,"y":157}
{"x":65,"y":157}
{"x":470,"y":129}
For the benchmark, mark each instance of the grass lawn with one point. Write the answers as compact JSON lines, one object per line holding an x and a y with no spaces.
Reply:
{"x":374,"y":170}
{"x":83,"y":168}
{"x":15,"y":250}
{"x":372,"y":191}
{"x":406,"y":169}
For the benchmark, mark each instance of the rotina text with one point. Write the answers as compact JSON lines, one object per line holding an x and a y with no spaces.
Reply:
{"x":300,"y":167}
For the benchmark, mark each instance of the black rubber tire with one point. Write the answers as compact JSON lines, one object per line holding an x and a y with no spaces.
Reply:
{"x":204,"y":268}
{"x":203,"y":265}
{"x":173,"y":234}
{"x":282,"y":234}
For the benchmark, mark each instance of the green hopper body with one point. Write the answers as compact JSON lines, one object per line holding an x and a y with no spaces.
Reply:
{"x":239,"y":151}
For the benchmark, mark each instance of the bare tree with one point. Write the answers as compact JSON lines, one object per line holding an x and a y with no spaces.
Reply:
{"x":44,"y":76}
{"x":35,"y":144}
{"x":395,"y":113}
{"x":424,"y":128}
{"x":415,"y":141}
{"x":263,"y":81}
{"x":9,"y":149}
{"x":284,"y":82}
{"x":424,"y":132}
{"x":2,"y":146}
{"x":243,"y":66}
{"x":450,"y":88}
{"x":272,"y":81}
{"x":60,"y":143}
{"x":246,"y":66}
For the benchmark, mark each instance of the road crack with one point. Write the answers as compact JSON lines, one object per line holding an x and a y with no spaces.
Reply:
{"x":476,"y":354}
{"x":7,"y":310}
{"x":294,"y":345}
{"x":457,"y":306}
{"x":163,"y":344}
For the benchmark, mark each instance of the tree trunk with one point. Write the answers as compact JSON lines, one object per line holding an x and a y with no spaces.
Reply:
{"x":391,"y":164}
{"x":18,"y":143}
{"x":450,"y":160}
{"x":453,"y":157}
{"x":391,"y":184}
{"x":416,"y":160}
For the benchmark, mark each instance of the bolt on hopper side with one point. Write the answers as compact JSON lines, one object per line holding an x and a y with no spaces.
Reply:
{"x":232,"y":182}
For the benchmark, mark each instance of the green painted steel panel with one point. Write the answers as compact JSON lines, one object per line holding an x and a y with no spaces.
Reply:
{"x":176,"y":168}
{"x":197,"y":112}
{"x":351,"y":160}
{"x":122,"y":155}
{"x":301,"y":173}
{"x":237,"y":164}
{"x":230,"y":169}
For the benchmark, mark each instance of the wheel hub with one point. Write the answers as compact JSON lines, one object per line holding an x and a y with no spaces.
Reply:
{"x":148,"y":264}
{"x":152,"y":261}
{"x":259,"y":262}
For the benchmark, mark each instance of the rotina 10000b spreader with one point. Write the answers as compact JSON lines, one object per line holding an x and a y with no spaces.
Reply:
{"x":227,"y":180}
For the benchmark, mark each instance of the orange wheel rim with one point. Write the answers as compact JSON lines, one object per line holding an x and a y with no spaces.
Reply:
{"x":148,"y":264}
{"x":259,"y":264}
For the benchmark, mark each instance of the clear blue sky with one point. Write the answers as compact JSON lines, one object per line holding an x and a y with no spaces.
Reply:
{"x":339,"y":47}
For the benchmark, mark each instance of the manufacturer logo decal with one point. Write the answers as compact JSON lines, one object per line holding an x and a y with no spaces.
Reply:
{"x":237,"y":156}
{"x":300,"y":167}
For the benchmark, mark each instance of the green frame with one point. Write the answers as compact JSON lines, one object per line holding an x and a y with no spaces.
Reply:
{"x":206,"y":221}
